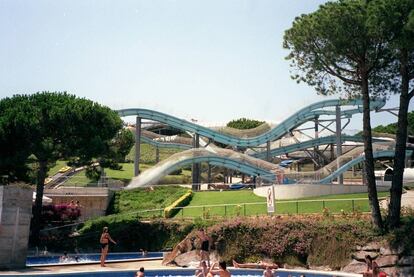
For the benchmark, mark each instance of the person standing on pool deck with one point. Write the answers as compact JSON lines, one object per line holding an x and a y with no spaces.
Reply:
{"x":205,"y":246}
{"x":105,"y":239}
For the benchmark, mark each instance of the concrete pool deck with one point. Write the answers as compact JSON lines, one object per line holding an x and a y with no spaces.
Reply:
{"x":135,"y":265}
{"x":129,"y":266}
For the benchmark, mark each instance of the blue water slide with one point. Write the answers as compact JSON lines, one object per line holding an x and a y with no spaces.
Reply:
{"x":305,"y":114}
{"x":309,"y":144}
{"x":249,"y":166}
{"x":238,"y":162}
{"x":348,"y":165}
{"x":163,"y":144}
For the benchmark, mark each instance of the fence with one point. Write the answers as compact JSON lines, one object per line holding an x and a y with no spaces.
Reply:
{"x":260,"y":208}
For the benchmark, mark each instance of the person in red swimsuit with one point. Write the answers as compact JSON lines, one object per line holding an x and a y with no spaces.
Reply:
{"x":104,"y":241}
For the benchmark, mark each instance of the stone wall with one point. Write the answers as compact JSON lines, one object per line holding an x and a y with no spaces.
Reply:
{"x":15,"y":215}
{"x":93,"y":201}
{"x":390,"y":260}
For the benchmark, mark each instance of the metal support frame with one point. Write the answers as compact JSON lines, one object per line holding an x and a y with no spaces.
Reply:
{"x":209,"y":174}
{"x":157,"y":154}
{"x":390,"y":110}
{"x":306,"y":151}
{"x":137,"y":145}
{"x":268,"y":158}
{"x":339,"y":141}
{"x":195,"y":172}
{"x":316,"y":148}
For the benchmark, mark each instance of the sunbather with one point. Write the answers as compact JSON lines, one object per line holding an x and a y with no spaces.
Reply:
{"x":260,"y":264}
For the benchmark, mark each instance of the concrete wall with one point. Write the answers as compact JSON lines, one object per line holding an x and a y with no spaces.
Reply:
{"x":15,"y":215}
{"x":293,"y":191}
{"x":93,"y":201}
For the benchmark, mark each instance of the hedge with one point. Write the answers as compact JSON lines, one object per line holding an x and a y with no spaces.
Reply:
{"x":184,"y":200}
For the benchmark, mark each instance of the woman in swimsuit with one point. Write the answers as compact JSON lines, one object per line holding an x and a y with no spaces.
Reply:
{"x":105,"y":239}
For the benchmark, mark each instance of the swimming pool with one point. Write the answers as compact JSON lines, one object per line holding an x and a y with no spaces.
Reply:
{"x":90,"y":258}
{"x":190,"y":272}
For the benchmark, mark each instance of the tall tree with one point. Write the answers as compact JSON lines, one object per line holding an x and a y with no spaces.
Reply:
{"x":52,"y":126}
{"x":333,"y":50}
{"x":391,"y":18}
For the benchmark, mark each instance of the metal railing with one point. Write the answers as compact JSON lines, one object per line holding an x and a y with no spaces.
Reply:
{"x":331,"y":206}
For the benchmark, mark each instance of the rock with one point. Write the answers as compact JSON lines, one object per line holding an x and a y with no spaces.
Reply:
{"x":355,"y":267}
{"x":406,"y":260}
{"x":391,"y":251}
{"x":188,"y":258}
{"x":184,"y":246}
{"x":387,"y":261}
{"x":405,"y":271}
{"x":360,"y":255}
{"x":391,"y":271}
{"x":192,"y":258}
{"x":320,"y":268}
{"x":372,"y":246}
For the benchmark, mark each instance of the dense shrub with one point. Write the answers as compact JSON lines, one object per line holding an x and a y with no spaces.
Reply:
{"x":132,"y":234}
{"x":59,"y":213}
{"x":292,"y":239}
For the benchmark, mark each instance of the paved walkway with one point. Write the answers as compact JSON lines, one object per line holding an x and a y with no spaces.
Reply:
{"x":407,"y":200}
{"x":90,"y":268}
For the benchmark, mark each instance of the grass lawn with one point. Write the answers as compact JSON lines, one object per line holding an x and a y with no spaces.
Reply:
{"x":148,"y":153}
{"x":59,"y":164}
{"x":282,"y":206}
{"x":141,"y":199}
{"x":126,"y":174}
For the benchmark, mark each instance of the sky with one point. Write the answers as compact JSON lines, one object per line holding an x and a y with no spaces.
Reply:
{"x":212,"y":61}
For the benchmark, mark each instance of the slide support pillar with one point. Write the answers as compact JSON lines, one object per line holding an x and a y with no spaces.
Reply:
{"x":195,"y":172}
{"x":268,"y":151}
{"x":339,"y":142}
{"x":157,"y":154}
{"x":316,"y":148}
{"x":137,"y":145}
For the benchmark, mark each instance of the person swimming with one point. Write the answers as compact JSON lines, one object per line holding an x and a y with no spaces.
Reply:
{"x":221,"y":270}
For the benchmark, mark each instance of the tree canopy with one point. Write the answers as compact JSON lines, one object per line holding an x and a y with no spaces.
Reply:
{"x":244,"y":123}
{"x":334,"y":50}
{"x":44,"y":127}
{"x":392,"y":128}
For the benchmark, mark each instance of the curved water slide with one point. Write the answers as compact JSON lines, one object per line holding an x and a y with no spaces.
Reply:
{"x":306,"y":114}
{"x":165,"y":141}
{"x":257,"y":167}
{"x":309,"y":144}
{"x":215,"y":156}
{"x":343,"y":163}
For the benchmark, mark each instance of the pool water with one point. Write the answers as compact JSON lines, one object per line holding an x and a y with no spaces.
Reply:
{"x":189,"y":272}
{"x":90,"y":258}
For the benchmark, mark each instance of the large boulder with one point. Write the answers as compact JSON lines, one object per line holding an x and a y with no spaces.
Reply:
{"x":355,"y":267}
{"x":186,"y":252}
{"x":188,"y":258}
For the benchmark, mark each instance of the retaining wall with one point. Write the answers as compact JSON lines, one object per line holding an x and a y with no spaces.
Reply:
{"x":93,"y":201}
{"x":15,"y":215}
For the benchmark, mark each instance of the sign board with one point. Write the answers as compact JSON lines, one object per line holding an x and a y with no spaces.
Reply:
{"x":270,"y":195}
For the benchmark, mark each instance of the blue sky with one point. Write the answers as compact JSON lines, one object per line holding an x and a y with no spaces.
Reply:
{"x":209,"y":60}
